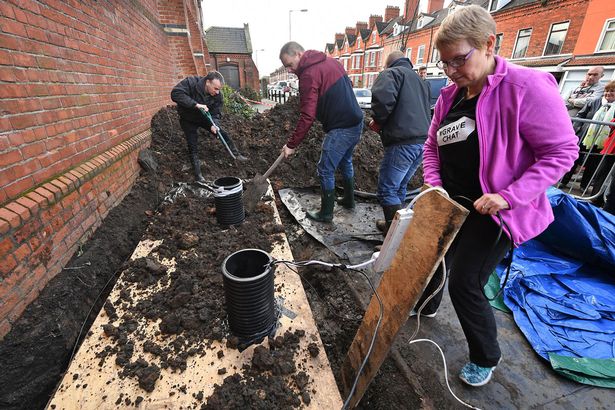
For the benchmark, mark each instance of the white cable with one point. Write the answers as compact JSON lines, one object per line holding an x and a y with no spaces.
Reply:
{"x":433,"y":188}
{"x":445,"y":372}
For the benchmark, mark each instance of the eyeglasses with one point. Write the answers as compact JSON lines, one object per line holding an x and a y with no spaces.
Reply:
{"x":455,"y":62}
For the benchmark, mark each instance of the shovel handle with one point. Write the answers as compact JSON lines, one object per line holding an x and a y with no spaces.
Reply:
{"x":274,"y":165}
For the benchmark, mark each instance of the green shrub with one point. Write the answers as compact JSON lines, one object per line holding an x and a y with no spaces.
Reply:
{"x":233,"y":104}
{"x":250,"y":93}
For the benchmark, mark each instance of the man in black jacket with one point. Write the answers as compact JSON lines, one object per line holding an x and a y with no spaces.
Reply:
{"x":192,"y":95}
{"x":400,"y":105}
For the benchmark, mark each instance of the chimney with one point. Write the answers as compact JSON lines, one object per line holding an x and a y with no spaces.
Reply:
{"x":361,"y":25}
{"x":339,"y":36}
{"x":391,"y":12}
{"x":350,"y":30}
{"x":434,"y":5}
{"x":410,"y":9}
{"x":373,"y":19}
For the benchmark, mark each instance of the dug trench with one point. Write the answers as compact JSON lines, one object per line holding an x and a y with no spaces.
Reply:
{"x":36,"y":353}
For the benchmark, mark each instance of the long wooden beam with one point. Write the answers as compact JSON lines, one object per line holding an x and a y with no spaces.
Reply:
{"x":431,"y":231}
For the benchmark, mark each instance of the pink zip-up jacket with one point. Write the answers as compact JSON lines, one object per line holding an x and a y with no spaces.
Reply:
{"x":525,"y":139}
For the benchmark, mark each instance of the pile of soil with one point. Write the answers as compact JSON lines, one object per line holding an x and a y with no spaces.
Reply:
{"x":260,"y":138}
{"x":36,"y":352}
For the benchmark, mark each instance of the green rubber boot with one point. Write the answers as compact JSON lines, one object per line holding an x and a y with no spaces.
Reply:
{"x":347,"y":201}
{"x":327,"y":202}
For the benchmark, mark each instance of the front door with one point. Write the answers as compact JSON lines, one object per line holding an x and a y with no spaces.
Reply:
{"x":231,"y":75}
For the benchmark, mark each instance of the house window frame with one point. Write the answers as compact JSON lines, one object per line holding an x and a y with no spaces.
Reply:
{"x":373,"y":37}
{"x":549,"y":36}
{"x":420,"y":57}
{"x":512,"y":57}
{"x":603,"y":35}
{"x":435,"y":55}
{"x":409,"y":53}
{"x":497,"y":47}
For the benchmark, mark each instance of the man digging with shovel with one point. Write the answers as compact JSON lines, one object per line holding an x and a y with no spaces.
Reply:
{"x":325,"y":94}
{"x":199,"y":103}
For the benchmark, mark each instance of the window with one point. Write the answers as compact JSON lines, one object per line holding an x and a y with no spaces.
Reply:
{"x":555,"y":42}
{"x":421,"y":54}
{"x":409,"y":53}
{"x":522,"y":43}
{"x":607,"y":39}
{"x":372,"y":59}
{"x":373,"y":37}
{"x":435,"y":55}
{"x":358,"y":42}
{"x":498,"y":43}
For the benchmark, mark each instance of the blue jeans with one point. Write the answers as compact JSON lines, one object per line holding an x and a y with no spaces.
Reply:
{"x":337,"y":149}
{"x":397,"y":167}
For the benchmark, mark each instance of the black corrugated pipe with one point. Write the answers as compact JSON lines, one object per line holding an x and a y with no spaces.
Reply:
{"x":228,"y":195}
{"x":248,"y":287}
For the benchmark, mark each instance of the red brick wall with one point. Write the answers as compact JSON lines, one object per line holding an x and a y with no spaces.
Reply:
{"x":248,"y":73}
{"x":540,"y":20}
{"x":79,"y":84}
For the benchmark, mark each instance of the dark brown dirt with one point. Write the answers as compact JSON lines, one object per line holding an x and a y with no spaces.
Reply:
{"x":36,"y":352}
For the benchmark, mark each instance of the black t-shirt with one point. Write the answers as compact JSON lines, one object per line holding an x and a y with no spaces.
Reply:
{"x":458,"y":149}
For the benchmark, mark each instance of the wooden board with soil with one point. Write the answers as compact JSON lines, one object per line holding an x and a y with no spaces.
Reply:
{"x":161,"y":340}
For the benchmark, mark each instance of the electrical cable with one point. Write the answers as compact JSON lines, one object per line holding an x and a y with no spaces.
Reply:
{"x":445,"y":371}
{"x":380,"y":310}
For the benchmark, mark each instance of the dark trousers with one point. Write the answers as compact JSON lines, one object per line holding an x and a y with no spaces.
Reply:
{"x":609,"y":200}
{"x":470,"y":261}
{"x":190,"y":131}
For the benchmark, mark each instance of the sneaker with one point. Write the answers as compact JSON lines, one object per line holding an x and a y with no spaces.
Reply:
{"x":413,"y":313}
{"x":475,"y":375}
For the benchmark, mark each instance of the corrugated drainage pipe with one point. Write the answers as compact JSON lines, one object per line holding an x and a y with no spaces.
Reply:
{"x":228,"y":196}
{"x":248,"y":286}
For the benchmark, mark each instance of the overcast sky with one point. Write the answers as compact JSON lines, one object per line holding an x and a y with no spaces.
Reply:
{"x":268,"y":20}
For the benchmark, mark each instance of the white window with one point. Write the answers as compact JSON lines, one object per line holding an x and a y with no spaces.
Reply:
{"x":372,"y":59}
{"x":556,"y":38}
{"x":607,"y":38}
{"x":409,"y":53}
{"x":435,"y":55}
{"x":358,"y":42}
{"x":420,"y":54}
{"x":498,"y":43}
{"x":373,"y":37}
{"x":522,"y":43}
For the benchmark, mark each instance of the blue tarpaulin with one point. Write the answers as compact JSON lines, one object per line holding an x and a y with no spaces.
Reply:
{"x":561,"y":291}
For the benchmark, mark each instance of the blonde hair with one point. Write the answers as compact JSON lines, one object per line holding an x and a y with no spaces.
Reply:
{"x":610,"y":86}
{"x":471,"y":23}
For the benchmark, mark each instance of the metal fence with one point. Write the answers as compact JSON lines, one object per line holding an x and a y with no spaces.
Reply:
{"x":592,"y":173}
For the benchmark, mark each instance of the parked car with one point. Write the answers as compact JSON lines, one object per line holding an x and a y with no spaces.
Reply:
{"x":280,"y":86}
{"x":436,"y":84}
{"x":364,"y":97}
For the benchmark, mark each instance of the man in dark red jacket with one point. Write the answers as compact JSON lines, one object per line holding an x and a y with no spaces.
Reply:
{"x":325,"y":93}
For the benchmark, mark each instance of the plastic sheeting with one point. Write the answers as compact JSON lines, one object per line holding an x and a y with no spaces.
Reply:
{"x":561,"y":291}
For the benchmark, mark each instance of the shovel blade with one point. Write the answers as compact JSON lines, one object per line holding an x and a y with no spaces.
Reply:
{"x":255,"y":190}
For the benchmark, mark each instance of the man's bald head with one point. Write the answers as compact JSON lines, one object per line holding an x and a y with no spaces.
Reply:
{"x":594,"y":75}
{"x":394,"y":56}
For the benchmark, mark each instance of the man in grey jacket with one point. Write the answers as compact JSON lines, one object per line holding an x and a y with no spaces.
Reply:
{"x":590,"y":89}
{"x":400,"y":104}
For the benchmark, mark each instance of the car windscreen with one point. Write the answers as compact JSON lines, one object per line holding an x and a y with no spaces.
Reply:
{"x":363,"y":93}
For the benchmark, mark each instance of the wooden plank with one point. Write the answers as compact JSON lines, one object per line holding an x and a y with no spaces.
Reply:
{"x":431,"y":231}
{"x":88,"y":386}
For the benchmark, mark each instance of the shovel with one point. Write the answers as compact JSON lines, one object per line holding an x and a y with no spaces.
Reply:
{"x":218,"y":134}
{"x":258,"y":187}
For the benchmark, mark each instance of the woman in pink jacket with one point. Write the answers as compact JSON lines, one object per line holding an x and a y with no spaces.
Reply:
{"x":499,"y":137}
